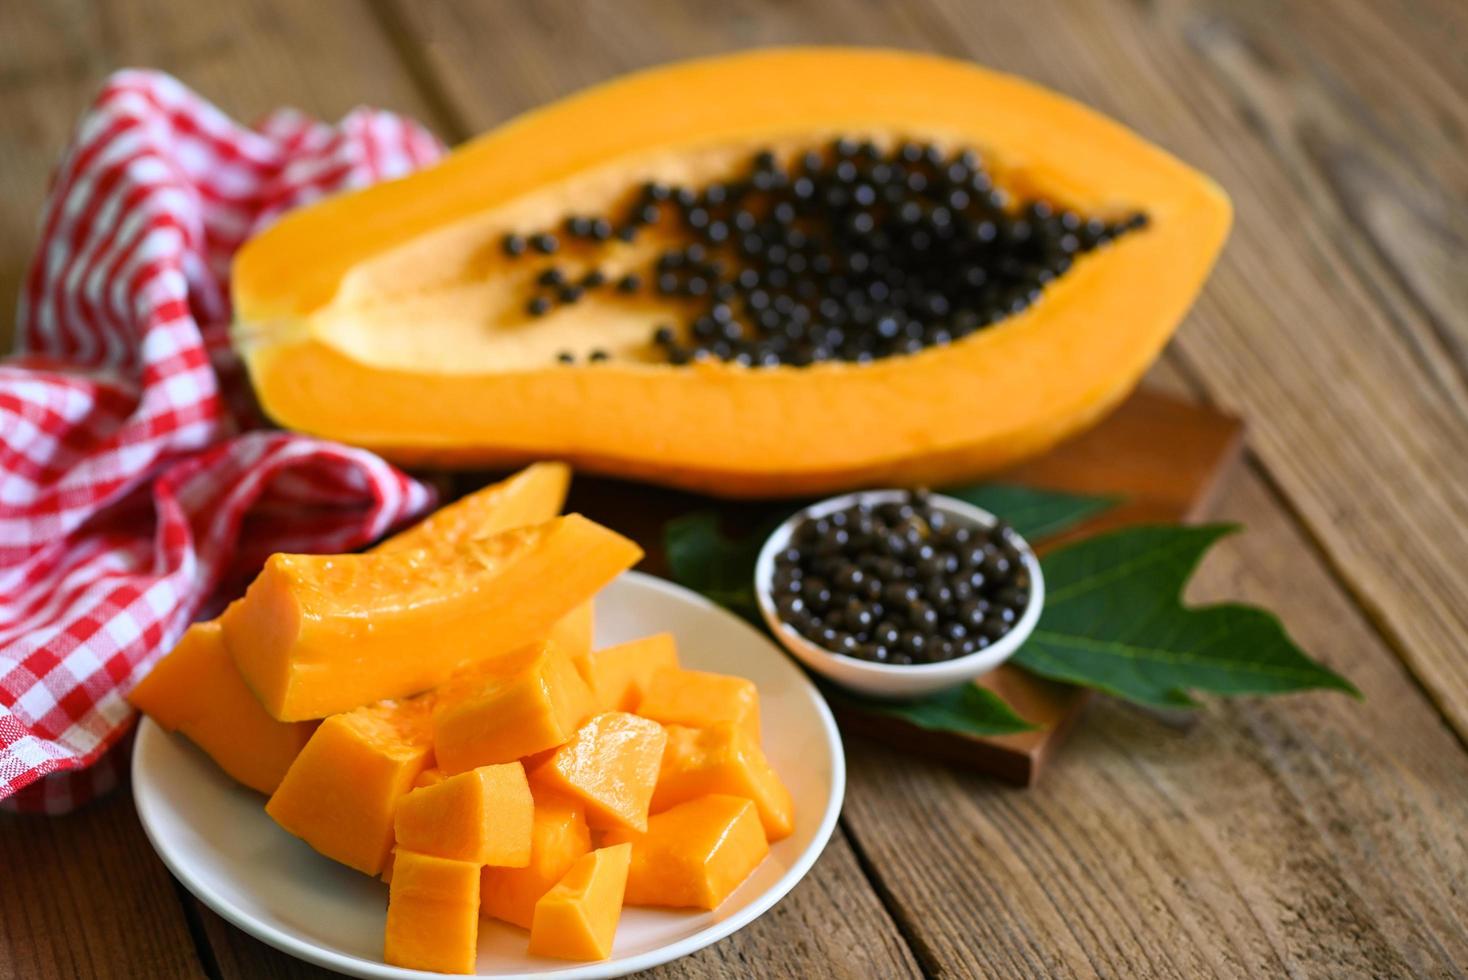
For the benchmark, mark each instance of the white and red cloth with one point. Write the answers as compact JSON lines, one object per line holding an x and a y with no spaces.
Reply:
{"x":134,"y":476}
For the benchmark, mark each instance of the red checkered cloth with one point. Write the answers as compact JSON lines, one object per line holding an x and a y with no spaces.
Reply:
{"x":134,"y":478}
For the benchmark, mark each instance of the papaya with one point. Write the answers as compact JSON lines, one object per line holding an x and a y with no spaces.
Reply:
{"x":577,"y":919}
{"x":483,"y":816}
{"x":866,"y":267}
{"x":432,"y":913}
{"x":319,"y":634}
{"x":558,"y":836}
{"x":618,"y":675}
{"x":699,"y":698}
{"x":723,"y":759}
{"x":489,"y":715}
{"x":611,"y":765}
{"x":341,"y":793}
{"x":197,"y":690}
{"x":693,"y":855}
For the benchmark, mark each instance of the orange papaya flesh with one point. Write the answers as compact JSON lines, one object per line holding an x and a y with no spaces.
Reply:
{"x":558,"y":837}
{"x":572,"y":634}
{"x":693,"y":855}
{"x":618,"y":675}
{"x":698,"y":698}
{"x":196,"y":690}
{"x":316,"y":634}
{"x":532,"y":496}
{"x":483,"y":816}
{"x":432,"y":914}
{"x":723,"y":759}
{"x":342,"y":790}
{"x":334,"y":342}
{"x":577,"y":919}
{"x":611,"y":765}
{"x":490,"y":715}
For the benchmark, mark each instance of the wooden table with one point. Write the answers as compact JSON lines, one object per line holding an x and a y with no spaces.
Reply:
{"x":1305,"y":836}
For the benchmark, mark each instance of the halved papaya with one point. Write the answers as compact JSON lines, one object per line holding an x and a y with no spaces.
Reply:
{"x":933,"y":295}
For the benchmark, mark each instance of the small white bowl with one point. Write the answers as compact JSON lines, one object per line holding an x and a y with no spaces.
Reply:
{"x":895,"y":681}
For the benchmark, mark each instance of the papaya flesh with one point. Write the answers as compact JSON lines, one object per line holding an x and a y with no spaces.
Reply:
{"x":393,"y":318}
{"x":320,"y":634}
{"x":693,"y":855}
{"x":558,"y":837}
{"x":197,"y":690}
{"x":432,"y":914}
{"x":577,"y":919}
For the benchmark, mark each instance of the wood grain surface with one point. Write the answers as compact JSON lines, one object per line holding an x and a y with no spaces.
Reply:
{"x":1307,"y":836}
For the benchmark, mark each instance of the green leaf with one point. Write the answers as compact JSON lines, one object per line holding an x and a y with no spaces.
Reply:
{"x":1114,"y":620}
{"x":1035,"y":514}
{"x":709,"y":562}
{"x":966,"y":709}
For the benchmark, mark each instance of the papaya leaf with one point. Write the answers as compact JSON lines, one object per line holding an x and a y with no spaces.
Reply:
{"x":706,"y":560}
{"x":1035,"y":514}
{"x":1114,"y":620}
{"x":967,"y":709}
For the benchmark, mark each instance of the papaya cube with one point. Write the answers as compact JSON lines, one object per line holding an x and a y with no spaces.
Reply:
{"x":697,"y":699}
{"x":695,"y":854}
{"x":723,"y":759}
{"x":577,"y":919}
{"x":340,"y":794}
{"x":618,"y":675}
{"x":489,"y":715}
{"x":432,"y":913}
{"x":611,"y":764}
{"x":482,"y":815}
{"x":431,"y":776}
{"x":319,"y":634}
{"x":558,"y":836}
{"x":197,"y":691}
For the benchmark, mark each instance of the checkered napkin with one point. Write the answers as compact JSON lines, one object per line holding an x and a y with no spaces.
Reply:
{"x":134,"y":475}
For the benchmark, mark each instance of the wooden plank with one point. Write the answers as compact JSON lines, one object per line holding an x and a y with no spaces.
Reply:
{"x":325,"y":57}
{"x":824,"y":928}
{"x":84,"y":896}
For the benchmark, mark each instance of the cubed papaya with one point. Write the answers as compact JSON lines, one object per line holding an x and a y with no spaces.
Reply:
{"x":723,"y":759}
{"x":695,"y":854}
{"x":432,"y":913}
{"x":618,"y":675}
{"x":697,"y":699}
{"x":340,"y":793}
{"x":558,"y":836}
{"x":483,"y":815}
{"x":501,"y":712}
{"x":610,"y":764}
{"x":196,"y":690}
{"x":577,"y":919}
{"x":319,"y":634}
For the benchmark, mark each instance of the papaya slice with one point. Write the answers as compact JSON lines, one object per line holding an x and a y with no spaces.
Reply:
{"x":432,"y":913}
{"x":342,"y":791}
{"x":315,"y":634}
{"x":558,"y":836}
{"x":693,"y":855}
{"x":406,"y":316}
{"x":618,"y":675}
{"x":723,"y":759}
{"x":197,"y":690}
{"x":577,"y":919}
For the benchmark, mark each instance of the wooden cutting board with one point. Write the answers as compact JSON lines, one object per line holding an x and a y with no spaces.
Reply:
{"x":1163,"y":457}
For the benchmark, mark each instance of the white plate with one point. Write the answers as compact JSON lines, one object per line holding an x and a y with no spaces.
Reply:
{"x":215,"y":837}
